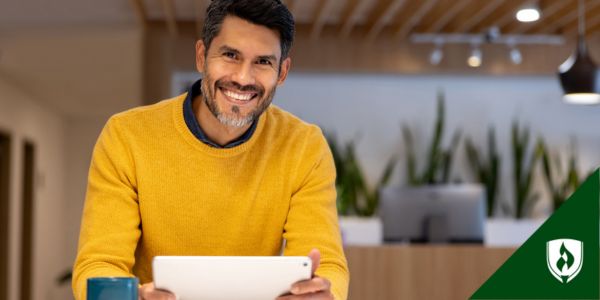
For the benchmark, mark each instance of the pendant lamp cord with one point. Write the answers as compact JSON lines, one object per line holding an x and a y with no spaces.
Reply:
{"x":581,"y":18}
{"x":581,"y":47}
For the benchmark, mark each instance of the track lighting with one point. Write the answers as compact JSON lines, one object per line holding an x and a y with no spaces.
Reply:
{"x":515,"y":55}
{"x":491,"y":37}
{"x":474,"y":60}
{"x":436,"y":55}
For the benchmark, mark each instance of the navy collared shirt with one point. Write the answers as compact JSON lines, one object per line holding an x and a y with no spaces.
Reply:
{"x":194,"y":126}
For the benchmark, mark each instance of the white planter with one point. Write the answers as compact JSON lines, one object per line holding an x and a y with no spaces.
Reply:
{"x":510,"y":232}
{"x":361,"y":231}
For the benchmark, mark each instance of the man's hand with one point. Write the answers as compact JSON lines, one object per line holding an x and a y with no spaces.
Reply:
{"x":148,"y":292}
{"x":314,"y":288}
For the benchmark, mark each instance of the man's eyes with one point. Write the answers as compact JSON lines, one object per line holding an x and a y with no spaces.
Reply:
{"x":260,"y":61}
{"x":264,"y":62}
{"x":230,"y":55}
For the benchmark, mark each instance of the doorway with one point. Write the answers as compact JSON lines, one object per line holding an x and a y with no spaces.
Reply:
{"x":27,"y":220}
{"x":4,"y":207}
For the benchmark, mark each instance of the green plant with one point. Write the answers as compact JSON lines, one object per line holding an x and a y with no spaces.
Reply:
{"x":439,"y":160}
{"x":345,"y":191}
{"x":354,"y":194}
{"x":486,"y":170}
{"x":371,"y":195}
{"x":523,"y":170}
{"x":560,"y":184}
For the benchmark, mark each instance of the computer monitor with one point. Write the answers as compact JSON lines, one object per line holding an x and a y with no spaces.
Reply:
{"x":433,"y":214}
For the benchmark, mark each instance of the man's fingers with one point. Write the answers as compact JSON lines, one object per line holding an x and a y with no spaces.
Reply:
{"x":148,"y":292}
{"x":325,"y":295}
{"x":314,"y":285}
{"x":315,"y":256}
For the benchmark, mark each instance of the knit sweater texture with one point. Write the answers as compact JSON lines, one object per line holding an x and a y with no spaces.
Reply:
{"x":155,"y":189}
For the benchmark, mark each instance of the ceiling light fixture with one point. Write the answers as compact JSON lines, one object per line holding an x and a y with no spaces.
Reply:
{"x":490,"y":37}
{"x":474,"y":60}
{"x":579,"y":76}
{"x":515,"y":56}
{"x":437,"y":54}
{"x":529,"y":13}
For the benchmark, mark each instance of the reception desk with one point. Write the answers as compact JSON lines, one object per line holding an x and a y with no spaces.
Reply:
{"x":398,"y":272}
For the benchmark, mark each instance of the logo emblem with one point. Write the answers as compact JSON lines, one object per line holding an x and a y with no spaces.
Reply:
{"x":564,"y":258}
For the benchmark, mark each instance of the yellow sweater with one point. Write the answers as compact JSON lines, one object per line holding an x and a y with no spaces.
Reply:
{"x":155,"y":189}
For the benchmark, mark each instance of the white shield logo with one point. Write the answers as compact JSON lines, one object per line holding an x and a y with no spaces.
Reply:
{"x":564,"y":258}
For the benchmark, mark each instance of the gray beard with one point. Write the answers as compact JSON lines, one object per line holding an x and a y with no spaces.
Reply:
{"x":234,"y":119}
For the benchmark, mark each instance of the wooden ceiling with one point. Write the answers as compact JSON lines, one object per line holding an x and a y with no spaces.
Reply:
{"x":395,"y":19}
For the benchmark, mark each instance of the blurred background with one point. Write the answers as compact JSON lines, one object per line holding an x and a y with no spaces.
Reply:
{"x":413,"y":95}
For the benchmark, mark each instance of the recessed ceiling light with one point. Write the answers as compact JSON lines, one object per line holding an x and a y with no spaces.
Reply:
{"x":529,"y":13}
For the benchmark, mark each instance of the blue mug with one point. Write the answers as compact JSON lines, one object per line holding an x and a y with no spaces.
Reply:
{"x":112,"y":288}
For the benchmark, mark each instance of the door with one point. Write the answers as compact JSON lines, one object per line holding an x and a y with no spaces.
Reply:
{"x":4,"y":206}
{"x":27,"y":220}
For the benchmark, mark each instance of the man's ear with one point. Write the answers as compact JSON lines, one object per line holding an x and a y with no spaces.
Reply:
{"x":200,"y":55}
{"x":285,"y":68}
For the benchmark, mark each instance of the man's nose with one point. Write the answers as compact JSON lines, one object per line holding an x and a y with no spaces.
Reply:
{"x":244,"y":74}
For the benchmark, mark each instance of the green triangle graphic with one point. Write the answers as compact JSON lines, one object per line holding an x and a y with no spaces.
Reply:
{"x":541,"y":271}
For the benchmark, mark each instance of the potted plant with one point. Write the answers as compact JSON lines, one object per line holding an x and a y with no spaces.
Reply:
{"x":357,"y":202}
{"x":524,"y":161}
{"x":485,"y":168}
{"x":512,"y":232}
{"x":439,"y":160}
{"x":561,"y":184}
{"x":434,"y":177}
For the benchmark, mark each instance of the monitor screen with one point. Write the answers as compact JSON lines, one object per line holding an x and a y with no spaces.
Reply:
{"x":433,"y":214}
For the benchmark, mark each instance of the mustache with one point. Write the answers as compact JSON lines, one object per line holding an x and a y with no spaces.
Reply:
{"x":243,"y":88}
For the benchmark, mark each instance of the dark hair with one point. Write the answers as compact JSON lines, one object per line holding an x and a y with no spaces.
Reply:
{"x":269,"y":13}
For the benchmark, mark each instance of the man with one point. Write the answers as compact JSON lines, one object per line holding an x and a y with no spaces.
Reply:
{"x":216,"y":171}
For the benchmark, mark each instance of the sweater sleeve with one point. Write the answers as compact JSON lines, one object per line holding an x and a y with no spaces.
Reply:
{"x":312,"y":218}
{"x":110,"y":223}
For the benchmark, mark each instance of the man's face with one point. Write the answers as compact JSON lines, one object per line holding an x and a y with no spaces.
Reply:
{"x":241,"y":71}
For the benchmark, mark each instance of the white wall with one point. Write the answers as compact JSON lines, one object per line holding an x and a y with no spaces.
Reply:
{"x":81,"y":135}
{"x":24,"y":119}
{"x":371,"y":108}
{"x":59,"y":86}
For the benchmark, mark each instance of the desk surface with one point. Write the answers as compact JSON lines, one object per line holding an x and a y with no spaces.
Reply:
{"x":398,"y":272}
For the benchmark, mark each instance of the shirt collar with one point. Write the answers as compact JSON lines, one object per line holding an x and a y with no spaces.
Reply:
{"x":192,"y":122}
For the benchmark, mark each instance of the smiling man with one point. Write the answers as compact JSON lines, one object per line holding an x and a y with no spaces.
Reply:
{"x":218,"y":170}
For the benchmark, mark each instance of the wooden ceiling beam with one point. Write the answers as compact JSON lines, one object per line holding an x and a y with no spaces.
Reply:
{"x":593,"y":24}
{"x":560,"y":22}
{"x":502,"y":16}
{"x":441,"y":22}
{"x":350,"y":17}
{"x":546,"y":20}
{"x":170,"y":18}
{"x":404,"y":29}
{"x":595,"y":27}
{"x":321,"y":12}
{"x":483,"y":13}
{"x":592,"y":19}
{"x":139,"y":7}
{"x":570,"y":17}
{"x":383,"y":17}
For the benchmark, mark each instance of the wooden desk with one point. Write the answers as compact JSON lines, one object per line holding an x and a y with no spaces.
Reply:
{"x":421,"y":272}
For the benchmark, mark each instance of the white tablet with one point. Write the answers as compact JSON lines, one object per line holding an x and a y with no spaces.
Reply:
{"x":229,"y":277}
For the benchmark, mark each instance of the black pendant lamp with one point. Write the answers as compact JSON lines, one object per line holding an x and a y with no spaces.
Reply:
{"x":579,"y":76}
